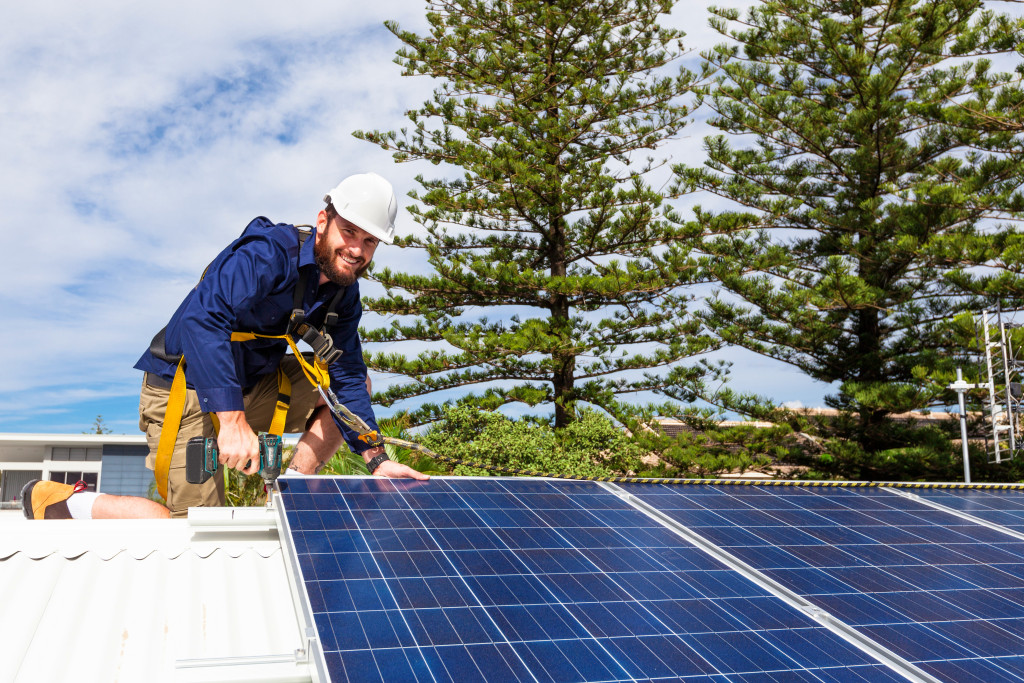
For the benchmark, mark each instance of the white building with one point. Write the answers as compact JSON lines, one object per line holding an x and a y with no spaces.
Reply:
{"x":109,"y":463}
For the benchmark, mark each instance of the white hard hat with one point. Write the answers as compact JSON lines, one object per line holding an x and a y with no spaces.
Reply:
{"x":368,"y":201}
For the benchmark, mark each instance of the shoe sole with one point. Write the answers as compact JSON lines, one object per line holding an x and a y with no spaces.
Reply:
{"x":26,"y":498}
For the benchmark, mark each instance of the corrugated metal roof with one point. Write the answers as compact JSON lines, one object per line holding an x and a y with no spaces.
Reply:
{"x":142,"y":600}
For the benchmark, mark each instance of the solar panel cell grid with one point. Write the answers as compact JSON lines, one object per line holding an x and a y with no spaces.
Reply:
{"x":525,"y":580}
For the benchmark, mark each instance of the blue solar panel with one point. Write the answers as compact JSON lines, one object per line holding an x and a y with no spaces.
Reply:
{"x":505,"y":580}
{"x":1004,"y":507}
{"x":936,"y":589}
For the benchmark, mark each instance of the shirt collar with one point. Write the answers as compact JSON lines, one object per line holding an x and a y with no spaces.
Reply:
{"x":306,"y":256}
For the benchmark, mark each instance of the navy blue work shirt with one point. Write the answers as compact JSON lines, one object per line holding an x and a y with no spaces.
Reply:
{"x":250,"y":287}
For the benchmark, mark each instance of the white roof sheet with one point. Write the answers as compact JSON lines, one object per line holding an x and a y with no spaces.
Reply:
{"x":145,"y":600}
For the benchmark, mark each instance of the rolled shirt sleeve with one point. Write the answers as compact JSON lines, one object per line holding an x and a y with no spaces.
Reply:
{"x":348,"y":373}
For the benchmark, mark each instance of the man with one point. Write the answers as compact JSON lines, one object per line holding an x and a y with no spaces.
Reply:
{"x":227,"y":342}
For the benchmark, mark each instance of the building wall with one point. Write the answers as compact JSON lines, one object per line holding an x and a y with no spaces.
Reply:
{"x":22,"y":452}
{"x":125,"y":472}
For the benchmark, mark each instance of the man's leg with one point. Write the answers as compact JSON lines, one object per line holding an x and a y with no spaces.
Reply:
{"x":54,"y":500}
{"x":109,"y":506}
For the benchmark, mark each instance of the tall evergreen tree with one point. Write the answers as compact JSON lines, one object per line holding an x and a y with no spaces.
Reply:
{"x":868,"y":192}
{"x":546,"y":115}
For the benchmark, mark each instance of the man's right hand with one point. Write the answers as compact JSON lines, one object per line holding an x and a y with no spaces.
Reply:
{"x":237,"y":443}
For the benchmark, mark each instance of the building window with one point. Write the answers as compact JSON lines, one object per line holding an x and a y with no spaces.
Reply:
{"x":90,"y":478}
{"x":63,"y":453}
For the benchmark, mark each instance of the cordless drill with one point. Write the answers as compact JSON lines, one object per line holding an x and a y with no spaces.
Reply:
{"x":201,"y":458}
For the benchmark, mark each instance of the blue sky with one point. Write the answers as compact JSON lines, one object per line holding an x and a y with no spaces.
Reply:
{"x":137,"y":139}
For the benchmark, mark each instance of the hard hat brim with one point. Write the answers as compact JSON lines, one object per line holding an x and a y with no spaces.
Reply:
{"x":366,"y":224}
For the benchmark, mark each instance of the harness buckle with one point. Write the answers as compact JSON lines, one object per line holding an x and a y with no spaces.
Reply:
{"x":332,"y":355}
{"x":322,"y":344}
{"x":295,"y":321}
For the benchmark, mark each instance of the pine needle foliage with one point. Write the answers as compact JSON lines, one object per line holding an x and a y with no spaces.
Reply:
{"x":551,"y":282}
{"x":871,"y":195}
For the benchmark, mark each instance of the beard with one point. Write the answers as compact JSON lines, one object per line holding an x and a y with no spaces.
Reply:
{"x":325,"y":261}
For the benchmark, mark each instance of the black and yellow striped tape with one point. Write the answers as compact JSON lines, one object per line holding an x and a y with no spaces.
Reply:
{"x":706,"y":482}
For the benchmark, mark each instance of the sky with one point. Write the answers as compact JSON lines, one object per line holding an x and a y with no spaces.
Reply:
{"x":138,"y":139}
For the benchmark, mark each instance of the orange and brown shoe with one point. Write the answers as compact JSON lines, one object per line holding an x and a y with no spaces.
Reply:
{"x":48,"y":499}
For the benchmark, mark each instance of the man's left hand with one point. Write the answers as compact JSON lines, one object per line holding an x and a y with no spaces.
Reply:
{"x":396,"y":470}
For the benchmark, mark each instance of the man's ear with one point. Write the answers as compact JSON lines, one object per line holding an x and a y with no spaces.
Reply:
{"x":321,"y":223}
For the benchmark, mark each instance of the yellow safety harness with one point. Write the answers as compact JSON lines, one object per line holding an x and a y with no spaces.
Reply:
{"x":316,"y":372}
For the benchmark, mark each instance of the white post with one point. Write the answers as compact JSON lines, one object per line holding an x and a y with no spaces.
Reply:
{"x":961,"y":387}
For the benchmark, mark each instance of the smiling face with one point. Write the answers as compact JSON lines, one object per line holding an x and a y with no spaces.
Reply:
{"x":343,"y":251}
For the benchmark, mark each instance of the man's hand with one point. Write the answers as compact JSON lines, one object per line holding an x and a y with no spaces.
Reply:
{"x":237,"y":443}
{"x":392,"y":469}
{"x":396,"y":470}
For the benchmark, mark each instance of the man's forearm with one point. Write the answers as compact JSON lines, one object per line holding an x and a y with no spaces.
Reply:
{"x":317,"y":444}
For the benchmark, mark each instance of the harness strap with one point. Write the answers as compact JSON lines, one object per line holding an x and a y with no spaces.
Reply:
{"x":316,"y":372}
{"x":298,"y":315}
{"x":172,"y":421}
{"x":284,"y":399}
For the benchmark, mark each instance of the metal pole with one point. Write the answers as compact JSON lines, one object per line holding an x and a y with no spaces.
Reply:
{"x":960,"y":387}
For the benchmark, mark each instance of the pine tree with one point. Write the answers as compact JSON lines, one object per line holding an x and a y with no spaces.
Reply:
{"x":869,"y":194}
{"x":546,"y":119}
{"x":99,"y":427}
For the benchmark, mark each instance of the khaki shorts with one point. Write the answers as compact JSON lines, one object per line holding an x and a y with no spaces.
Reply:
{"x":259,"y":401}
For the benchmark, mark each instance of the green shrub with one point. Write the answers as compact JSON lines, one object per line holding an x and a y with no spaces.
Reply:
{"x":592,"y":446}
{"x":707,"y":450}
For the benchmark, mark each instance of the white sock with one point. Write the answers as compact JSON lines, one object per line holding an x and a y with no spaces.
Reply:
{"x":291,"y":472}
{"x":80,"y":504}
